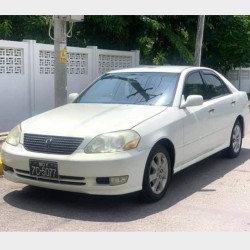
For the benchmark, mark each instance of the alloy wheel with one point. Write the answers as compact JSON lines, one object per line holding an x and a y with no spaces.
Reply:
{"x":158,"y":173}
{"x":236,"y":138}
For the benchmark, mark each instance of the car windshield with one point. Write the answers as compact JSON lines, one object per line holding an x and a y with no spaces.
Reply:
{"x":132,"y":88}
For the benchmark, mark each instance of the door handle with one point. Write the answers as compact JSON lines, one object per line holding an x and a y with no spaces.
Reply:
{"x":233,"y":102}
{"x":211,"y":110}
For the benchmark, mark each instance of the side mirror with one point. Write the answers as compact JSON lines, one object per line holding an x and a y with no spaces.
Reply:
{"x":72,"y":97}
{"x":192,"y":100}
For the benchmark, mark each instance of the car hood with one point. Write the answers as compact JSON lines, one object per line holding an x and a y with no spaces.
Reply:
{"x":81,"y":119}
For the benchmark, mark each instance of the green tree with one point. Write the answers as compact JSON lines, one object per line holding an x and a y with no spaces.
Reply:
{"x":160,"y":39}
{"x":17,"y":28}
{"x":167,"y":39}
{"x":226,"y":42}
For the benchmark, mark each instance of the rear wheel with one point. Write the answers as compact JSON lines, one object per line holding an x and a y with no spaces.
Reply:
{"x":157,"y":174}
{"x":235,"y":142}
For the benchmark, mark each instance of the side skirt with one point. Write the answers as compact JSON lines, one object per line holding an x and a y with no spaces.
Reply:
{"x":202,"y":157}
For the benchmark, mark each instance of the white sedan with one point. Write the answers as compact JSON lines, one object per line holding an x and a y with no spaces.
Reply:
{"x":130,"y":130}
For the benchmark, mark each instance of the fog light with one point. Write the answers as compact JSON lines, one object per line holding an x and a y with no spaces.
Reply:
{"x":6,"y":168}
{"x":118,"y":180}
{"x":102,"y":180}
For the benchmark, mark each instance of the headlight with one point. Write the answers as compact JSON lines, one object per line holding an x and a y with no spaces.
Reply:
{"x":14,"y":136}
{"x":113,"y":142}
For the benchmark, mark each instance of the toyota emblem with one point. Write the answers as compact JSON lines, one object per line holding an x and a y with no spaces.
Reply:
{"x":48,"y":142}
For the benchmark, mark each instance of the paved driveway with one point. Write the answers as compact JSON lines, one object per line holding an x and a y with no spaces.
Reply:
{"x":213,"y":195}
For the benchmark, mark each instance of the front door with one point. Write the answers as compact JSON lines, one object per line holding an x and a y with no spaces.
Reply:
{"x":197,"y":125}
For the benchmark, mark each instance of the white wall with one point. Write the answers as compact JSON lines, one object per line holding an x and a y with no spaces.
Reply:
{"x":14,"y":84}
{"x":240,"y":78}
{"x":27,"y":78}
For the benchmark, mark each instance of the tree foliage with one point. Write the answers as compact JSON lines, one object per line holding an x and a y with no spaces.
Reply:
{"x":20,"y":27}
{"x":226,"y":42}
{"x":161,"y":39}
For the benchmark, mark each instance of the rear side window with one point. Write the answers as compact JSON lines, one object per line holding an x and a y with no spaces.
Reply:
{"x":194,"y":85}
{"x":215,"y":86}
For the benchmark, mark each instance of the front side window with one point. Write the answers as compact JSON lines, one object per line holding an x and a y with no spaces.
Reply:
{"x":215,"y":86}
{"x":132,"y":88}
{"x":194,"y":85}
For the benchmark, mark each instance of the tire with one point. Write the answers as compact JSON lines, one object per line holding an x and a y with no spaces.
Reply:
{"x":157,"y":174}
{"x":235,"y":142}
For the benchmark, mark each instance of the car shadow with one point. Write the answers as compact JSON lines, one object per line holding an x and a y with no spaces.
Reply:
{"x":124,"y":208}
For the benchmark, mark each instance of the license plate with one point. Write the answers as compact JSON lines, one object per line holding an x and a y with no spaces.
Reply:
{"x":44,"y":169}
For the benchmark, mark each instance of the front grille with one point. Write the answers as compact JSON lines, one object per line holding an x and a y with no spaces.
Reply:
{"x":51,"y":144}
{"x":62,"y":179}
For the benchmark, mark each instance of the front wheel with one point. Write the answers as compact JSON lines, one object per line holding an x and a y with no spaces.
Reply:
{"x":157,"y":174}
{"x":235,"y":142}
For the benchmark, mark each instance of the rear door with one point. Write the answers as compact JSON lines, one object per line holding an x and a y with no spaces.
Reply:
{"x":222,"y":103}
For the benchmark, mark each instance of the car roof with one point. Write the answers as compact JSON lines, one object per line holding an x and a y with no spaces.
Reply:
{"x":169,"y":69}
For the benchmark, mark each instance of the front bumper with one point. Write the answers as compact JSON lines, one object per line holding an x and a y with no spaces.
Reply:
{"x":87,"y":166}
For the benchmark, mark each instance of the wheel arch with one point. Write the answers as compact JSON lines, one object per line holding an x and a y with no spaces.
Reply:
{"x":170,"y":148}
{"x":241,"y":120}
